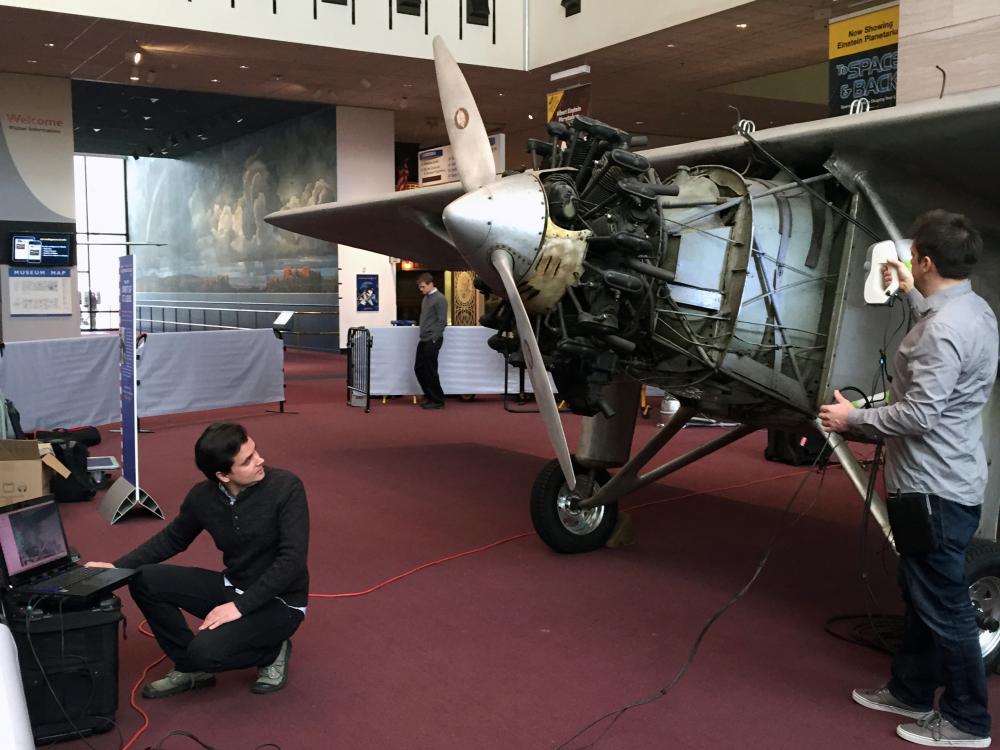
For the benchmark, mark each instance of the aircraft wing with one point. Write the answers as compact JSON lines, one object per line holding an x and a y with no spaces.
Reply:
{"x":406,"y":224}
{"x":944,"y":140}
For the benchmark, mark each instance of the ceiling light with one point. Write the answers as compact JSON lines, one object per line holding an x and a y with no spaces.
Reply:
{"x":671,"y":45}
{"x":244,"y":67}
{"x":133,"y":77}
{"x":531,"y":116}
{"x":407,"y":85}
{"x":741,"y":26}
{"x":153,"y":100}
{"x":32,"y":62}
{"x":276,"y":77}
{"x":365,"y":83}
{"x":579,"y":70}
{"x":49,"y":44}
{"x":239,"y":119}
{"x":96,"y":130}
{"x":147,"y":128}
{"x":215,"y":80}
{"x":137,"y":58}
{"x":639,"y":122}
{"x":500,"y":93}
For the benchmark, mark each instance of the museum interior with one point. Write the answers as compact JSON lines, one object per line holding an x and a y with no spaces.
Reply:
{"x":548,"y":346}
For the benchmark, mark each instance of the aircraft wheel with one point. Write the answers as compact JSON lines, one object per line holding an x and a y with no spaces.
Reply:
{"x":982,"y":570}
{"x":562,"y":527}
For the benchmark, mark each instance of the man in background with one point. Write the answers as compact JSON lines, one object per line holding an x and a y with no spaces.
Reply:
{"x":433,"y":319}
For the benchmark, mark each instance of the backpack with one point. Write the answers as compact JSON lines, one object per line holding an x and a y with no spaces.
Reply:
{"x":796,"y":448}
{"x":79,"y":485}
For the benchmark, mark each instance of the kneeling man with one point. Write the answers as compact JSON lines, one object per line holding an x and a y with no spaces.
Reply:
{"x":259,"y":519}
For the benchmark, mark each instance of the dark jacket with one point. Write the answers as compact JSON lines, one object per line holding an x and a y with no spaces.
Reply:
{"x":263,"y":536}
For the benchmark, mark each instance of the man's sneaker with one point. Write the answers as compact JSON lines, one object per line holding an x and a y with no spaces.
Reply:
{"x":936,"y":731}
{"x":177,"y":682}
{"x":274,"y":676}
{"x":880,"y":699}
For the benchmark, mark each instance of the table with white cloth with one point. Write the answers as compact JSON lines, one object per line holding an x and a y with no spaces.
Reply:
{"x":466,"y":364}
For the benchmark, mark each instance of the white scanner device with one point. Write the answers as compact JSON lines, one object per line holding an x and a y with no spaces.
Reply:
{"x":878,"y":254}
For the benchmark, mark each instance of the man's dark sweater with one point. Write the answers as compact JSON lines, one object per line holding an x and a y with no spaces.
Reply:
{"x":263,"y":536}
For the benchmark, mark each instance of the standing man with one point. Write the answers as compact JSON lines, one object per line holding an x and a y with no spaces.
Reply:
{"x":259,"y":519}
{"x":433,"y":319}
{"x":936,"y":474}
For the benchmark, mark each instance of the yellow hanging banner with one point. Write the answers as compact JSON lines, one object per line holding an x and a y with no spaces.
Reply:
{"x":873,"y":30}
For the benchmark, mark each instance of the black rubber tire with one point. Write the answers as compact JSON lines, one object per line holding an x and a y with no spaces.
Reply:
{"x":982,"y":571}
{"x":545,"y":512}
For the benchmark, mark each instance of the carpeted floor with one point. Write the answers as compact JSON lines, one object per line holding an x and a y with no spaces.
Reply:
{"x":516,"y":647}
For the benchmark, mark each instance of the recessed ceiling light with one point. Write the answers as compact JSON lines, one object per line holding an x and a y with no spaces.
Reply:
{"x":244,"y":67}
{"x":741,"y":26}
{"x":137,"y":58}
{"x":32,"y":62}
{"x":638,"y":122}
{"x":147,"y":128}
{"x":671,"y":45}
{"x":407,"y":85}
{"x":239,"y":120}
{"x":133,"y":77}
{"x":531,"y":117}
{"x":50,"y":44}
{"x":96,"y":130}
{"x":215,"y":80}
{"x":499,"y":93}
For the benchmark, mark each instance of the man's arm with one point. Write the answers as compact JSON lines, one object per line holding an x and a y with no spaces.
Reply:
{"x":935,"y":365}
{"x":290,"y":557}
{"x":175,"y":537}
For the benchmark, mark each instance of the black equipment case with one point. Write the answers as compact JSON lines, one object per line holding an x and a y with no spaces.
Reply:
{"x":78,"y":652}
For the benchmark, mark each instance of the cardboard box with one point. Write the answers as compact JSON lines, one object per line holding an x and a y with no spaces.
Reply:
{"x":24,"y":470}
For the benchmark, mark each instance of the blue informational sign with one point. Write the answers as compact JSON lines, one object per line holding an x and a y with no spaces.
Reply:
{"x":130,"y":424}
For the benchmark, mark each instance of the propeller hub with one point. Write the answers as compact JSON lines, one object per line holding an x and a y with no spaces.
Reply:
{"x":510,"y":214}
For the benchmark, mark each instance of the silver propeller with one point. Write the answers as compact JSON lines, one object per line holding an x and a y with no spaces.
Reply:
{"x":472,"y":219}
{"x":536,"y":367}
{"x":466,"y":131}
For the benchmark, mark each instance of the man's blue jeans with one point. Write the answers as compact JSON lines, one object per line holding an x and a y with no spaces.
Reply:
{"x":940,"y":636}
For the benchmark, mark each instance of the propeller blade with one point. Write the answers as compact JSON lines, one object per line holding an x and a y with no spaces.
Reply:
{"x":466,"y":132}
{"x":536,"y":367}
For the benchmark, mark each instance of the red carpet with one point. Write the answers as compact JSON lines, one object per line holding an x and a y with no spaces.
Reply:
{"x":518,"y":647}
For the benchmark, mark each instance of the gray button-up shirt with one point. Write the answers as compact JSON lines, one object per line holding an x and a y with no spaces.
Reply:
{"x":945,"y":369}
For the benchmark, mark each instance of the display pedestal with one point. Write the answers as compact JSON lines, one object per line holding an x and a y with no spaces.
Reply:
{"x":69,"y":665}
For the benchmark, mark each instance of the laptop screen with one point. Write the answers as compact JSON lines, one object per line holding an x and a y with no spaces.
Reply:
{"x":31,"y":537}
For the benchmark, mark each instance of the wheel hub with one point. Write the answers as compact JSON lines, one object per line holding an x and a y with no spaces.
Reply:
{"x":574,"y":519}
{"x":985,"y":593}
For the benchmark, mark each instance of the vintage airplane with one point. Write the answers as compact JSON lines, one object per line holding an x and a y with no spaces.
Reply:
{"x":730,"y":273}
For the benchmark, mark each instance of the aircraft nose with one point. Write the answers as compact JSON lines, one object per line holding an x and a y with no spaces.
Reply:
{"x":509,"y":213}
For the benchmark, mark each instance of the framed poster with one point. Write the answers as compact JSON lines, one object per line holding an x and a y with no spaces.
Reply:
{"x":367,"y":292}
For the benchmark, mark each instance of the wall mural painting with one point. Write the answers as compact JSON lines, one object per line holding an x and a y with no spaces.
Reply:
{"x":209,"y":208}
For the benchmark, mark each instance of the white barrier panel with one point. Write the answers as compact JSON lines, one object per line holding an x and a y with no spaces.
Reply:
{"x":466,"y":364}
{"x":198,"y":370}
{"x":62,"y":382}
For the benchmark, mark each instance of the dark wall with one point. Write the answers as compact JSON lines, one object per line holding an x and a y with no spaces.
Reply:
{"x":209,"y":209}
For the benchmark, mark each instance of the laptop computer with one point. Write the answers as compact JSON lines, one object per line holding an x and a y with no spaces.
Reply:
{"x":35,"y":560}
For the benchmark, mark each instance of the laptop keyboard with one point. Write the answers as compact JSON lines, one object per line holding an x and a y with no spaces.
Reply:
{"x":67,"y":579}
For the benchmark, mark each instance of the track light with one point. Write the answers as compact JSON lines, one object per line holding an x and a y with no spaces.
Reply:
{"x":137,"y":58}
{"x":572,"y":7}
{"x":477,"y":12}
{"x":408,"y":7}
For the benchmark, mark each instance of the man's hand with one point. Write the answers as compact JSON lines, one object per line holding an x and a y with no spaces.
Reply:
{"x":834,"y":416}
{"x":98,"y":565}
{"x":905,"y":277}
{"x":220,"y":616}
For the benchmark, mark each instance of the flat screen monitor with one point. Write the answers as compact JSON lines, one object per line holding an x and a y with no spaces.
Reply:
{"x":41,"y":249}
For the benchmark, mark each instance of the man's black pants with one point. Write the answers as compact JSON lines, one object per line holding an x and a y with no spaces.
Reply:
{"x":426,"y":369}
{"x":162,"y":591}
